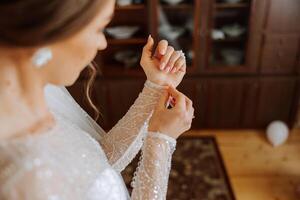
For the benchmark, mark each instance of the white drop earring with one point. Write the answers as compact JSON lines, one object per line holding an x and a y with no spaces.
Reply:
{"x":41,"y":57}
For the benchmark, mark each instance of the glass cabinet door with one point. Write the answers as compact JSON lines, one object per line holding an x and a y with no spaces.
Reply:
{"x":176,"y":23}
{"x":126,"y":35}
{"x":226,"y":31}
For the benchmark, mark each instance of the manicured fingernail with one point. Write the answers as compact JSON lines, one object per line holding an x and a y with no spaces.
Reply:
{"x":162,"y":65}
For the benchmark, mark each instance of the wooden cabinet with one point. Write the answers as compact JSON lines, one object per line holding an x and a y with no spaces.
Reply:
{"x":298,"y":66}
{"x":221,"y":102}
{"x":280,"y":54}
{"x":281,"y":45}
{"x":226,"y":39}
{"x":275,"y":100}
{"x":121,"y":95}
{"x":249,"y":92}
{"x":241,"y":102}
{"x":283,"y":16}
{"x":113,"y":98}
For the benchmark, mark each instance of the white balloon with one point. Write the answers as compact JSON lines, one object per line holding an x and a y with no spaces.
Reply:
{"x":277,"y":133}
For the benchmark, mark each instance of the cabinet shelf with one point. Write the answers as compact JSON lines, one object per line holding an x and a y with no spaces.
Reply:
{"x":231,"y":5}
{"x":231,"y":40}
{"x":131,"y":7}
{"x":178,"y":7}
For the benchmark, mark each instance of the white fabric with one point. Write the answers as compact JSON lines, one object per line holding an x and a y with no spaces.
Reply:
{"x":78,"y":160}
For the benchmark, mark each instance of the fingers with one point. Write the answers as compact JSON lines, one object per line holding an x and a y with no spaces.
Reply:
{"x":161,"y":49}
{"x":170,"y":60}
{"x":189,"y":103}
{"x":180,"y":65}
{"x":183,"y":105}
{"x":163,"y":99}
{"x":165,"y":59}
{"x":148,"y":48}
{"x":173,"y":61}
{"x":183,"y":67}
{"x":190,"y":108}
{"x":179,"y":98}
{"x":175,"y":56}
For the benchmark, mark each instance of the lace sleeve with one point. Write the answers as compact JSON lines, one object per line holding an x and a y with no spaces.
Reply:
{"x":151,"y":178}
{"x":123,"y":142}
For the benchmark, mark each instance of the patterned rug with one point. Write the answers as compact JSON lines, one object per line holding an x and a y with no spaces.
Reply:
{"x":197,"y":172}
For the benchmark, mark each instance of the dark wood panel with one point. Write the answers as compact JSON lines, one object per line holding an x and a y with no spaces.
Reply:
{"x":121,"y":95}
{"x":298,"y":66}
{"x":218,"y":102}
{"x":275,"y":100}
{"x":283,"y":16}
{"x":257,"y":19}
{"x":250,"y":101}
{"x":280,"y":53}
{"x":221,"y":103}
{"x":190,"y":87}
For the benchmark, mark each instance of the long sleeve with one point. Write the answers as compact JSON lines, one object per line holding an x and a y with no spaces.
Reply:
{"x":123,"y":142}
{"x":151,"y":178}
{"x":62,"y":166}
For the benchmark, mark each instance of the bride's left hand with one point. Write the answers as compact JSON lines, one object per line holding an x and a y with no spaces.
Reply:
{"x":165,"y":66}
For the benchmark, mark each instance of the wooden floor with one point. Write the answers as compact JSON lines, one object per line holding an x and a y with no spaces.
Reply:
{"x":256,"y":170}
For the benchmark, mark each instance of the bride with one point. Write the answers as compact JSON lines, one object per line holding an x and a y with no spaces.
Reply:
{"x":50,"y":149}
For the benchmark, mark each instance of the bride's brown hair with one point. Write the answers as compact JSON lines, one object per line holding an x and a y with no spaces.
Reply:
{"x":30,"y":23}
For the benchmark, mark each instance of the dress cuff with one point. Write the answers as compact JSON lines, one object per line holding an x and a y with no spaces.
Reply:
{"x":164,"y":137}
{"x":152,"y":85}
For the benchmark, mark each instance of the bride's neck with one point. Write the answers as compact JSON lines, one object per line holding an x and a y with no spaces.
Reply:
{"x":23,"y":108}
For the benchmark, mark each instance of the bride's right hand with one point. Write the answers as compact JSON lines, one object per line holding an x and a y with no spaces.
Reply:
{"x":175,"y":121}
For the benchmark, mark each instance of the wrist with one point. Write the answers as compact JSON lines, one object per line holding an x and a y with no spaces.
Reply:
{"x":156,"y":129}
{"x":163,"y":136}
{"x":155,"y":85}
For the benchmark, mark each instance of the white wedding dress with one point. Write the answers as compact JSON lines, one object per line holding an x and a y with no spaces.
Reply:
{"x":77,"y":160}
